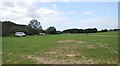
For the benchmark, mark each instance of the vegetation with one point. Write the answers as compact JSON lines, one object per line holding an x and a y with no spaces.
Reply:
{"x":51,"y":30}
{"x":9,"y":28}
{"x":95,"y":48}
{"x":35,"y":24}
{"x":34,"y":28}
{"x":71,"y":46}
{"x":89,"y":30}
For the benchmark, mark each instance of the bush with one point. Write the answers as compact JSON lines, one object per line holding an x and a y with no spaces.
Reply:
{"x":50,"y":30}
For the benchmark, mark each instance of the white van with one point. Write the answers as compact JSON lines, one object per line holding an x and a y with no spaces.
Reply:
{"x":42,"y":34}
{"x":20,"y":34}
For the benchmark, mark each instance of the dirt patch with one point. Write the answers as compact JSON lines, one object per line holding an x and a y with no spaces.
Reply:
{"x":91,"y":46}
{"x":49,"y":60}
{"x":45,"y":60}
{"x":71,"y":55}
{"x":52,"y":53}
{"x":70,"y":41}
{"x":63,"y":54}
{"x":106,"y":46}
{"x":63,"y":51}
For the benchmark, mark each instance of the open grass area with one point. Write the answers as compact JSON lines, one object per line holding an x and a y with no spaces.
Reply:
{"x":96,"y":48}
{"x":0,"y":50}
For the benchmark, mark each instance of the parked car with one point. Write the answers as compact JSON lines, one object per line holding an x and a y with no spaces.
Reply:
{"x":42,"y":34}
{"x":20,"y":34}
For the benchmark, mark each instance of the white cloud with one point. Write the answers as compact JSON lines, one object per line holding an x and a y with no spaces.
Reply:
{"x":22,"y":13}
{"x":8,"y":4}
{"x":66,"y":0}
{"x":87,"y":12}
{"x":46,"y":11}
{"x":29,"y":2}
{"x":50,"y":16}
{"x":54,"y":6}
{"x":15,"y":12}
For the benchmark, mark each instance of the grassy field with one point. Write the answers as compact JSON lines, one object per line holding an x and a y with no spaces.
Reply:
{"x":0,"y":50}
{"x":95,"y":48}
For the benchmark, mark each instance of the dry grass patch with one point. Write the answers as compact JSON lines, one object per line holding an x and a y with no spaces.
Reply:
{"x":66,"y":53}
{"x":63,"y":54}
{"x":70,"y":41}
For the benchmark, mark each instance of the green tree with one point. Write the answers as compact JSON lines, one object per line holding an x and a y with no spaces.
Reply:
{"x":35,"y":27}
{"x":35,"y":24}
{"x":51,"y":30}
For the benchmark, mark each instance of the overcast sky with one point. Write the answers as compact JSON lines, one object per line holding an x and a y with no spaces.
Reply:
{"x":62,"y":15}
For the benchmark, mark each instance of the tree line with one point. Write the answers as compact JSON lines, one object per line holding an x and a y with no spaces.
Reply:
{"x":34,"y":28}
{"x":89,"y":30}
{"x":9,"y":28}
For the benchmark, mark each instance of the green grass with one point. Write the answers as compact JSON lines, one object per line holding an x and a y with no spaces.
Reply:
{"x":14,"y":48}
{"x":0,"y":50}
{"x":112,"y":33}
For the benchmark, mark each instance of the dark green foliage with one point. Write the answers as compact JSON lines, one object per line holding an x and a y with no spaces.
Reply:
{"x":9,"y":28}
{"x":35,"y":24}
{"x":71,"y":31}
{"x":51,"y":30}
{"x":58,"y":32}
{"x":90,"y":30}
{"x":114,"y":30}
{"x":104,"y":30}
{"x":34,"y":27}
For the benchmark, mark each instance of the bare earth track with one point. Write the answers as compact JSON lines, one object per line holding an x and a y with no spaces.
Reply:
{"x":65,"y":54}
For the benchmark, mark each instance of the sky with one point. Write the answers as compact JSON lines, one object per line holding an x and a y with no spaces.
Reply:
{"x":62,"y":15}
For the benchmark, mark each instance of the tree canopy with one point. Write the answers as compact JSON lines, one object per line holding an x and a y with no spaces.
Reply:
{"x":51,"y":30}
{"x":89,"y":30}
{"x":34,"y":27}
{"x":35,"y":24}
